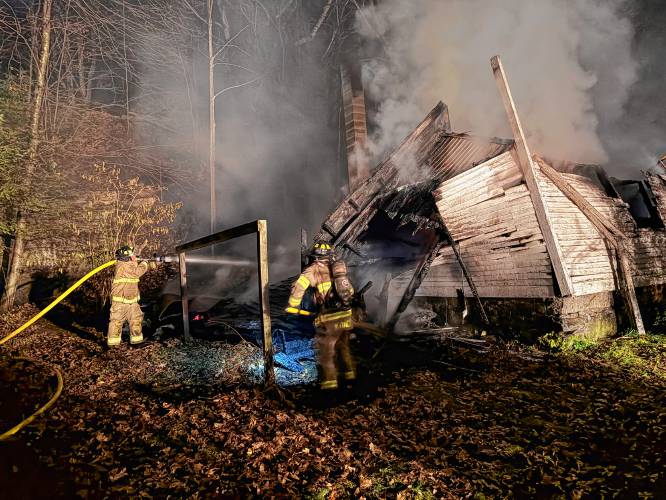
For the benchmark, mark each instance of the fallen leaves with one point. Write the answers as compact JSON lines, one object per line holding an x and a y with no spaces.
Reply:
{"x":153,"y":421}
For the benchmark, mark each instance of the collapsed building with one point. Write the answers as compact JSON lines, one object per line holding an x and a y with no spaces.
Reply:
{"x":536,"y":244}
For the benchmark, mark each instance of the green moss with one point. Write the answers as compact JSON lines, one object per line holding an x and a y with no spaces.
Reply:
{"x":645,"y":355}
{"x":567,"y":343}
{"x":420,"y":491}
{"x":641,"y":355}
{"x":321,"y":494}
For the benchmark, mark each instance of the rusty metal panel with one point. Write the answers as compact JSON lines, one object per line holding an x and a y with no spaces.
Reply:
{"x":456,"y":153}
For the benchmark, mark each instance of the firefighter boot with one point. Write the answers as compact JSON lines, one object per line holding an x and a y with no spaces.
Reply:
{"x":114,"y":333}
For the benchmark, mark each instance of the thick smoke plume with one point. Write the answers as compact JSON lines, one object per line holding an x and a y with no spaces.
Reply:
{"x":277,"y":140}
{"x":569,"y":63}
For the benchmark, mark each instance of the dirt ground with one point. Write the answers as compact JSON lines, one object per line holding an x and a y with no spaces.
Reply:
{"x":421,"y":422}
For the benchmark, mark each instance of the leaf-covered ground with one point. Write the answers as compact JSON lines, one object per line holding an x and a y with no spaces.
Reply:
{"x":421,"y":423}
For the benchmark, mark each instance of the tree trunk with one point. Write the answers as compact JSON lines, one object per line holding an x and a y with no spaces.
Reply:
{"x":211,"y":117}
{"x":89,"y":82}
{"x":21,"y":224}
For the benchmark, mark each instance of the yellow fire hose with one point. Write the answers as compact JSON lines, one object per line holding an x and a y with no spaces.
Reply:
{"x":41,"y":410}
{"x":29,"y":323}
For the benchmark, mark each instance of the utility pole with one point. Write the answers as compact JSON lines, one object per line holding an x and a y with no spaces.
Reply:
{"x":211,"y":118}
{"x":16,"y":256}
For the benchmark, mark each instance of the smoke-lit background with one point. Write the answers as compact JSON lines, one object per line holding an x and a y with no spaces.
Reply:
{"x":586,"y":75}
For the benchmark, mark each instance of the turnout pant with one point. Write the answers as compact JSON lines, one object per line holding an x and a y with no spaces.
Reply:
{"x":119,"y":314}
{"x":331,"y":341}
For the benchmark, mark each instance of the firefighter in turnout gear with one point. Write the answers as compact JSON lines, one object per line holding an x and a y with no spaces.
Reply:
{"x":333,"y":294}
{"x":125,"y":296}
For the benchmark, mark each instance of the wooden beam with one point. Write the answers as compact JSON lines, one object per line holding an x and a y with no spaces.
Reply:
{"x":261,"y":228}
{"x":219,"y":237}
{"x":527,"y":166}
{"x":614,"y":236}
{"x":262,"y":257}
{"x":468,"y":277}
{"x":182,"y":270}
{"x":304,"y":248}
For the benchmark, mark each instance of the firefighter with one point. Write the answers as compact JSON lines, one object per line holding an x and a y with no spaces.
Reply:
{"x":125,"y":296}
{"x":333,"y":293}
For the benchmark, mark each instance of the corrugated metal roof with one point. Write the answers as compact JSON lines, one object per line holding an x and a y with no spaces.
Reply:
{"x":456,"y":153}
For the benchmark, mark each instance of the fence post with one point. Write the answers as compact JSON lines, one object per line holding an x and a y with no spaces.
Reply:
{"x":262,"y":257}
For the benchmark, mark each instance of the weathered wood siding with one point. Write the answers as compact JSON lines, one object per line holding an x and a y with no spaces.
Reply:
{"x":657,"y":184}
{"x":585,"y":256}
{"x":647,"y":252}
{"x":489,"y":213}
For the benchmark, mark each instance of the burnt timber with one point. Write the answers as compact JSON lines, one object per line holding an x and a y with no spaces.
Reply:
{"x":516,"y":219}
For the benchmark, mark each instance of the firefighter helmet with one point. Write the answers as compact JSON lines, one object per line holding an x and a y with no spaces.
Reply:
{"x":321,"y":250}
{"x":124,"y":253}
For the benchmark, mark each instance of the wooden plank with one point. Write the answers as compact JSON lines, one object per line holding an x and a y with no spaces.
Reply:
{"x":478,"y":233}
{"x":587,"y":288}
{"x":589,"y":260}
{"x":527,"y":167}
{"x":585,"y":244}
{"x":534,"y":250}
{"x":182,"y":271}
{"x":462,"y":202}
{"x":219,"y":237}
{"x":264,"y":303}
{"x":465,"y":179}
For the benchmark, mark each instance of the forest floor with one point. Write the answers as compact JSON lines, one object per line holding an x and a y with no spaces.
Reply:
{"x":421,"y":422}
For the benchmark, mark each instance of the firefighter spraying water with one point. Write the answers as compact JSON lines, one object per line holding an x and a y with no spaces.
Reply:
{"x":125,"y":296}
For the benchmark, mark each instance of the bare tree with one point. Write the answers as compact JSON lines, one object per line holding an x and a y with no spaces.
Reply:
{"x":16,"y":256}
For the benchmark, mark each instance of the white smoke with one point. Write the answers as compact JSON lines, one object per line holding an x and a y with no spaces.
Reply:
{"x":569,"y":64}
{"x":276,"y":145}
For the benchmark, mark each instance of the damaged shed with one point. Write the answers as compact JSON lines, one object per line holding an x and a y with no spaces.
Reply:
{"x":541,"y":245}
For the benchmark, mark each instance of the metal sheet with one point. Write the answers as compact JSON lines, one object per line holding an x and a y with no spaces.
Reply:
{"x":456,"y":153}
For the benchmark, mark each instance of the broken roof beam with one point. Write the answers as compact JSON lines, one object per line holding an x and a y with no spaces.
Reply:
{"x":384,"y":178}
{"x":528,"y":169}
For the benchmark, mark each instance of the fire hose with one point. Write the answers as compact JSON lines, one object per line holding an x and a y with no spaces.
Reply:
{"x":29,"y":323}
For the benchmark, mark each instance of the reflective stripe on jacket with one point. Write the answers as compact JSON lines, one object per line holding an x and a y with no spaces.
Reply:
{"x":125,"y":286}
{"x":318,"y":276}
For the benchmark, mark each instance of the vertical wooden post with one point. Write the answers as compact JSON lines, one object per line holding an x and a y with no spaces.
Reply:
{"x":528,"y":170}
{"x":262,"y":257}
{"x":212,"y":138}
{"x":183,"y":295}
{"x":304,"y":248}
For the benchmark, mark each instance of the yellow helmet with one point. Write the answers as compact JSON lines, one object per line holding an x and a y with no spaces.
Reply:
{"x":321,"y":250}
{"x":124,"y":253}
